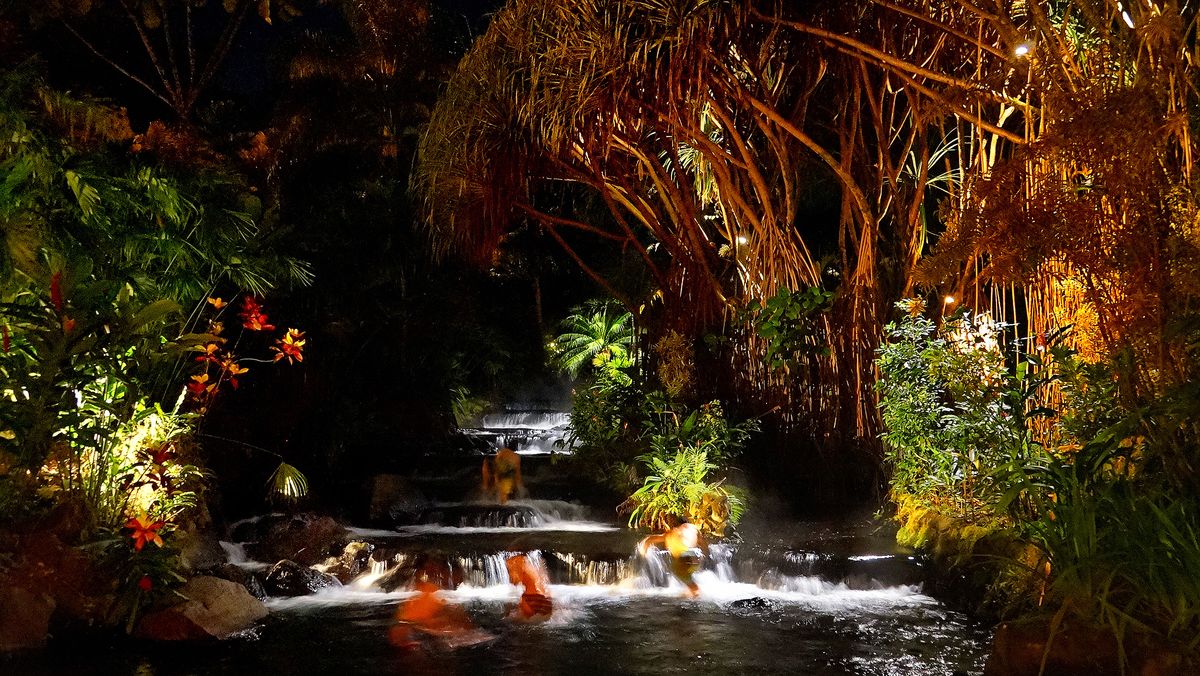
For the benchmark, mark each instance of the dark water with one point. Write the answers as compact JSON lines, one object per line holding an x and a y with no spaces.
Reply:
{"x":788,"y":598}
{"x":596,"y":630}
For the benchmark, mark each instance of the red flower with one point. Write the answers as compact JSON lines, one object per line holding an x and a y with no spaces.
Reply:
{"x":253,"y":317}
{"x":290,"y":347}
{"x":145,"y":530}
{"x":208,"y":353}
{"x":199,"y":386}
{"x":145,"y":584}
{"x":56,"y":295}
{"x":68,"y":325}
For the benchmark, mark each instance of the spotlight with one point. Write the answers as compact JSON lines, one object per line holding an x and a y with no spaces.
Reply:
{"x":741,"y":239}
{"x":948,"y":300}
{"x":1022,"y":49}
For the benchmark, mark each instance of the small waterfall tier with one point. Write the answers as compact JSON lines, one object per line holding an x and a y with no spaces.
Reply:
{"x":532,"y":431}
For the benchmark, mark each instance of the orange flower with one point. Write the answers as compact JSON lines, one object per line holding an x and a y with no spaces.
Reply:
{"x":68,"y":325}
{"x":208,"y":353}
{"x":145,"y":530}
{"x":200,"y":385}
{"x":217,"y":303}
{"x":290,"y":347}
{"x":232,"y":369}
{"x":216,"y":328}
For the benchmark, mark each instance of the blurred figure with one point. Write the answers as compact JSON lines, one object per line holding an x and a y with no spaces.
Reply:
{"x":683,"y":543}
{"x":535,"y":605}
{"x":502,"y":475}
{"x":427,"y":616}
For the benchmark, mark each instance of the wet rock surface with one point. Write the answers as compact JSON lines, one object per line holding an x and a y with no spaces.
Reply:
{"x":213,"y":609}
{"x":353,"y":561}
{"x":199,"y":550}
{"x":303,"y":538}
{"x":288,"y":578}
{"x":251,"y":581}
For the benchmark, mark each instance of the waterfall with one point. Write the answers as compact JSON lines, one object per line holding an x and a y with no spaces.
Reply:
{"x":583,"y":570}
{"x":532,"y":431}
{"x":485,"y":571}
{"x":721,"y":556}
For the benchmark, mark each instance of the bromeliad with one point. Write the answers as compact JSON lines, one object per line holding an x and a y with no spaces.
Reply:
{"x":144,"y":531}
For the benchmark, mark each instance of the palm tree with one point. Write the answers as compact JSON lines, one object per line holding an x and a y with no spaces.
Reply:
{"x":602,"y":338}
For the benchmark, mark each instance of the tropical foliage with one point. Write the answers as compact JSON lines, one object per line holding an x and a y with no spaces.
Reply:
{"x":108,"y":263}
{"x":601,"y":338}
{"x":1085,"y":484}
{"x":653,"y":445}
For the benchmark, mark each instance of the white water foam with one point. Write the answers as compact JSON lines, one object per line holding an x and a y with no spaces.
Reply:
{"x":558,"y":526}
{"x":236,"y":552}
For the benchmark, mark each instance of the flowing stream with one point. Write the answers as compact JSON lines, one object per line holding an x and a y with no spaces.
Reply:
{"x":787,"y":597}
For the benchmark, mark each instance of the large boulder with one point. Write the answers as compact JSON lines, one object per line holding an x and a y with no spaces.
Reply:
{"x":395,"y":501}
{"x":252,"y":582}
{"x":288,"y":578}
{"x":43,"y":565}
{"x":24,"y":618}
{"x":303,"y":538}
{"x":213,"y":609}
{"x":352,"y":562}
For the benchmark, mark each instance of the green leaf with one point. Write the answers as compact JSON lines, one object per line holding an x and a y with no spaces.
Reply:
{"x":288,"y":483}
{"x":154,"y":312}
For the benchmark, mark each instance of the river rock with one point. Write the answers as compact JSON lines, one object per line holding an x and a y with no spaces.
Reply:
{"x":214,"y":608}
{"x":288,"y":578}
{"x":303,"y":538}
{"x":42,"y":564}
{"x":395,"y":501}
{"x":446,"y":574}
{"x":351,"y":563}
{"x":24,"y":618}
{"x":755,"y":604}
{"x":199,"y":551}
{"x":252,"y":583}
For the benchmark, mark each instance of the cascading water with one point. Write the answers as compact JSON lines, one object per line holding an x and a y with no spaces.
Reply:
{"x":784,"y":600}
{"x":533,"y":431}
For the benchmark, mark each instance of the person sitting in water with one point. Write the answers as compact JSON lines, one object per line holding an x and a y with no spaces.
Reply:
{"x":535,"y":605}
{"x":426,"y":615}
{"x":502,"y":475}
{"x":682,"y":541}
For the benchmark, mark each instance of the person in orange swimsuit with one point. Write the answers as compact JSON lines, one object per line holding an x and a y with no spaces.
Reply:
{"x":502,"y":475}
{"x":426,"y":615}
{"x":535,"y":604}
{"x":683,"y":543}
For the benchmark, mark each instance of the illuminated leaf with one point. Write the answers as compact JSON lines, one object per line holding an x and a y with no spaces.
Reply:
{"x":288,"y":483}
